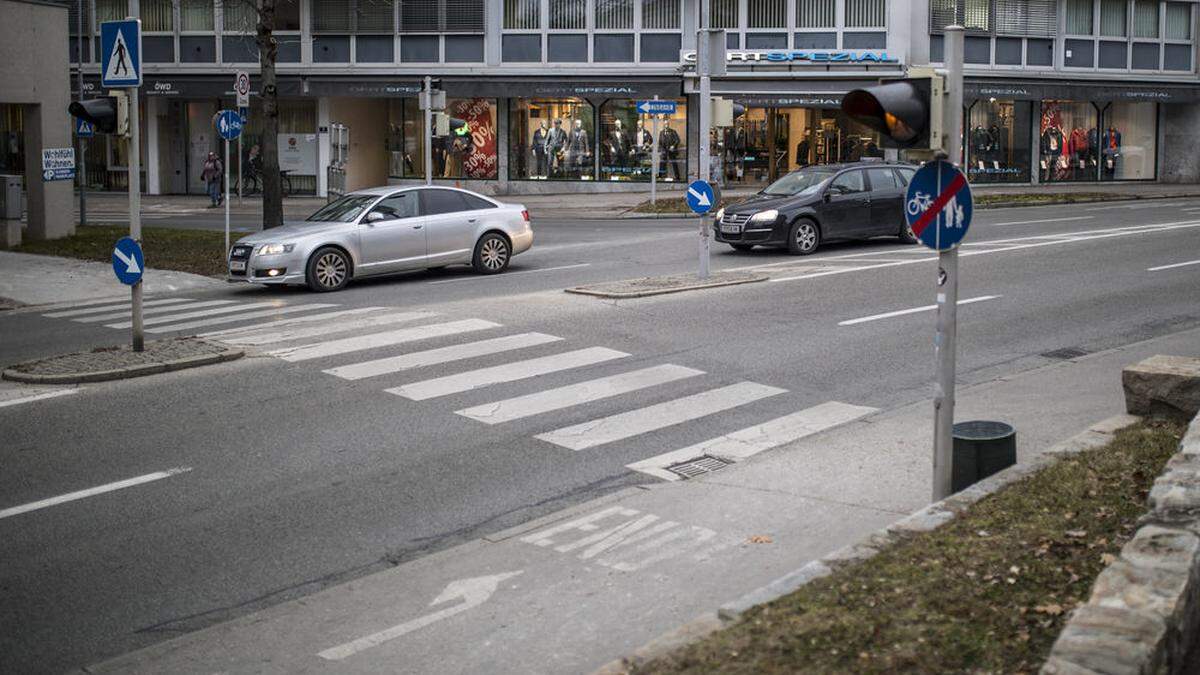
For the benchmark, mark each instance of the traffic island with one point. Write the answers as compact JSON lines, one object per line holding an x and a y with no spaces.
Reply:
{"x":647,"y":286}
{"x":117,"y":363}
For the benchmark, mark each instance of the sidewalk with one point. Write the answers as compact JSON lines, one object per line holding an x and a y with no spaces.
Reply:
{"x":574,"y":590}
{"x":40,"y":279}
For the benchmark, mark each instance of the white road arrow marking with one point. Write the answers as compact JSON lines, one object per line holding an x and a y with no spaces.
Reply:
{"x":701,"y":198}
{"x":130,"y":262}
{"x":474,"y":592}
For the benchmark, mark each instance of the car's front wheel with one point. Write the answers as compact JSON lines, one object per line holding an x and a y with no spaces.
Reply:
{"x":492,"y":254}
{"x":906,"y":234}
{"x":328,"y":270}
{"x":804,"y":237}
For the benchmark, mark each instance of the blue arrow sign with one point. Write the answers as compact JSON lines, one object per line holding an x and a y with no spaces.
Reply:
{"x":938,"y":205}
{"x":84,"y":128}
{"x":229,"y":124}
{"x":700,"y":197}
{"x":128,"y":261}
{"x":121,"y":53}
{"x":656,"y":107}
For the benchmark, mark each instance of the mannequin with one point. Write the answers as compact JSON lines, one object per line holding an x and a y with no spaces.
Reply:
{"x":802,"y":153}
{"x":577,"y":150}
{"x":556,"y":141}
{"x":1110,"y":141}
{"x":538,"y":145}
{"x":643,"y":144}
{"x":618,"y":146}
{"x":1051,"y":148}
{"x":668,"y":145}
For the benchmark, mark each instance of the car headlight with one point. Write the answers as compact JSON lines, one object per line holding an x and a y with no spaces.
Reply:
{"x":720,"y":213}
{"x":768,"y":215}
{"x":275,"y":249}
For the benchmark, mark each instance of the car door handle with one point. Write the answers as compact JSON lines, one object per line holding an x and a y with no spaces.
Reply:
{"x":471,"y":220}
{"x":417,"y":227}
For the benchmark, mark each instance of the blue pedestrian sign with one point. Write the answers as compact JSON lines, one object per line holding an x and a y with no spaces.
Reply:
{"x":84,"y":128}
{"x":656,"y":107}
{"x":229,"y":124}
{"x":128,"y":261}
{"x":700,"y":196}
{"x":121,"y":53}
{"x":938,"y":205}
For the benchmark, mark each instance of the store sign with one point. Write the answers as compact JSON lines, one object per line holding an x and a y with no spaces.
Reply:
{"x":477,"y":113}
{"x":298,"y":153}
{"x":797,"y":57}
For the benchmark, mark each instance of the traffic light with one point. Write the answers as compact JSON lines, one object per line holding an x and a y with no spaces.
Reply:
{"x":109,"y":115}
{"x":907,"y":112}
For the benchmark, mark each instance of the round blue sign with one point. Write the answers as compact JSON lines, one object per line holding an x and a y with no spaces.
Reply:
{"x":127,"y":261}
{"x":229,"y":124}
{"x":938,"y":205}
{"x":700,"y":196}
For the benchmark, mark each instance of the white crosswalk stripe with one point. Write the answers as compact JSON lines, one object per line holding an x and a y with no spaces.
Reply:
{"x":373,"y":340}
{"x":173,"y":318}
{"x":509,"y":372}
{"x":308,"y":318}
{"x":113,"y":308}
{"x":577,"y":394}
{"x":264,"y":313}
{"x":301,"y":329}
{"x":651,"y":418}
{"x":750,"y":441}
{"x":148,"y":311}
{"x":111,"y":300}
{"x":430,"y":357}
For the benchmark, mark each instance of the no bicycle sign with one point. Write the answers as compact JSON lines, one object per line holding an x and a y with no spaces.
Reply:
{"x":938,"y":205}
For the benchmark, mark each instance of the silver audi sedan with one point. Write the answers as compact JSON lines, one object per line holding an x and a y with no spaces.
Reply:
{"x":384,"y":230}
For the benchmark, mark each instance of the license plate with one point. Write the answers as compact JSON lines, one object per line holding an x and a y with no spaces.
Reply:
{"x":731,"y":229}
{"x":237,"y":265}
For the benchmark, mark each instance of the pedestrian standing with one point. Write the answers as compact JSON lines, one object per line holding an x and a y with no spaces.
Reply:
{"x":211,"y":175}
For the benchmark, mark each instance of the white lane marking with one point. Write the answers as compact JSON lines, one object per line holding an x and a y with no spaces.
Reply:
{"x":263,"y":313}
{"x":474,"y":592}
{"x":508,"y":372}
{"x":296,"y":329}
{"x":373,"y":340}
{"x":91,"y":492}
{"x":508,"y":274}
{"x":37,"y":397}
{"x":750,"y":441}
{"x":1044,"y":220}
{"x":1168,"y":267}
{"x":124,"y":312}
{"x":1141,"y":204}
{"x":914,"y":310}
{"x":644,"y":420}
{"x":577,"y":394}
{"x":113,"y":308}
{"x":430,"y":357}
{"x":158,"y":320}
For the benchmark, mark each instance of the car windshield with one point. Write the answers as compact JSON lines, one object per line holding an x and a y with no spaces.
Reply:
{"x":344,"y":210}
{"x":797,"y":182}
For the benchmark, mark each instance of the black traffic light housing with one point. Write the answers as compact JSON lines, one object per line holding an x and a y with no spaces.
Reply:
{"x":907,"y":112}
{"x":109,"y":115}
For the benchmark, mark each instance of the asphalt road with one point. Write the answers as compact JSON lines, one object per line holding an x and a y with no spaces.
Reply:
{"x":297,"y":478}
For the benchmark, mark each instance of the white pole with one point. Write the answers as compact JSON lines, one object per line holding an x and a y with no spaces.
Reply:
{"x":654,"y":156}
{"x":226,"y":196}
{"x":704,"y":65}
{"x":428,"y":130}
{"x":947,"y":291}
{"x":135,"y":211}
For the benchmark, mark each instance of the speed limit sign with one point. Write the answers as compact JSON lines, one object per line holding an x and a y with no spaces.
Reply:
{"x":241,"y":85}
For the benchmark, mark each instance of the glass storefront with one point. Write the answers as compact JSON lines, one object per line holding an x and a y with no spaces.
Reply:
{"x":463,"y":146}
{"x":1069,"y":142}
{"x":765,"y":143}
{"x":1129,"y":141}
{"x":551,"y":139}
{"x":627,"y":142}
{"x":998,"y":144}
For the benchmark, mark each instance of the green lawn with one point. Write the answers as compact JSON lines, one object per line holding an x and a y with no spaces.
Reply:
{"x":673,"y":205}
{"x":195,"y":251}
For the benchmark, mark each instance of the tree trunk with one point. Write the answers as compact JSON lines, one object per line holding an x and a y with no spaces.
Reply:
{"x":267,"y":50}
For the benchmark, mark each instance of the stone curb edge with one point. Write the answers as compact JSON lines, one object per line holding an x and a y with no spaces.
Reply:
{"x":929,"y":518}
{"x":581,"y":290}
{"x":124,"y":373}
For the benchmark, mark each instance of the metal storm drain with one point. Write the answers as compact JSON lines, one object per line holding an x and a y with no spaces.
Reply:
{"x":697,"y":467}
{"x":1066,"y":353}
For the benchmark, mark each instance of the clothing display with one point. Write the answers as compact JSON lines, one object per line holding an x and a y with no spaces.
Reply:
{"x":668,"y":145}
{"x":618,"y":146}
{"x":556,"y":143}
{"x":537,"y":145}
{"x":579,"y":151}
{"x":1110,"y":148}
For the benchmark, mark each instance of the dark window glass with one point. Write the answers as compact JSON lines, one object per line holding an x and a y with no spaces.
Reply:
{"x":402,"y":205}
{"x":881,"y":179}
{"x":474,"y":203}
{"x":344,"y":210}
{"x":851,"y":181}
{"x":905,"y":175}
{"x":434,"y":202}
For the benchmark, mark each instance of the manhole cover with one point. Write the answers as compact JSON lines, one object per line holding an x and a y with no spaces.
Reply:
{"x":1066,"y":353}
{"x":697,"y":467}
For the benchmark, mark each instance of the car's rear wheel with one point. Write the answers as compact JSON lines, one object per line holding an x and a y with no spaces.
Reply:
{"x":492,"y":254}
{"x":328,"y":270}
{"x":804,"y":237}
{"x":742,"y":247}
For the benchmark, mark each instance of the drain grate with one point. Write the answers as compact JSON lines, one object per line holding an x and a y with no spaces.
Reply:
{"x":1066,"y":353}
{"x":697,"y":467}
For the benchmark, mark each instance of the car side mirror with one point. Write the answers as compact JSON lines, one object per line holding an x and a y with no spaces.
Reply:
{"x":375,"y":217}
{"x":828,"y":195}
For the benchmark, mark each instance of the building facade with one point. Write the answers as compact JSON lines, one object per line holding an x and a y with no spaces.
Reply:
{"x":542,"y":94}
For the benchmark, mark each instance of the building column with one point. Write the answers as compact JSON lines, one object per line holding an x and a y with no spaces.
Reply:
{"x":323,"y":154}
{"x":502,"y":142}
{"x":1035,"y":150}
{"x":153,"y":184}
{"x":50,"y":204}
{"x":493,"y":29}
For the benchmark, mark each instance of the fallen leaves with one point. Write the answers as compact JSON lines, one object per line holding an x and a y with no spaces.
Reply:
{"x":1052,"y":609}
{"x":761,"y":539}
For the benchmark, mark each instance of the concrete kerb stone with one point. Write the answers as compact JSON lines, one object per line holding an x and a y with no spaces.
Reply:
{"x":648,"y":286}
{"x":213,"y":353}
{"x":1163,"y":385}
{"x":929,"y":518}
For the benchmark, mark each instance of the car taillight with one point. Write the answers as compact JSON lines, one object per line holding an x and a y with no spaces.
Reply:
{"x":525,"y":215}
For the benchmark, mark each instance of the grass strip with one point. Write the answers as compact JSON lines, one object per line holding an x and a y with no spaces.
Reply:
{"x":988,"y":592}
{"x":195,"y":251}
{"x":678,"y":205}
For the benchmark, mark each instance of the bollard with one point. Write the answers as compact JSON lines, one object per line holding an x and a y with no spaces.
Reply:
{"x":981,"y":448}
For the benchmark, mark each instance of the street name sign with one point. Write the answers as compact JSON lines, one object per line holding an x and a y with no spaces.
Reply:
{"x":700,"y":196}
{"x":127,"y":261}
{"x":229,"y":124}
{"x":58,"y":164}
{"x":121,"y":52}
{"x":938,"y":205}
{"x":653,"y":107}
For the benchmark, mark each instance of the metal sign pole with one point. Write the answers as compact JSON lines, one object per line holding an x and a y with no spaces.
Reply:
{"x":226,"y":196}
{"x":428,"y":130}
{"x":947,"y":292}
{"x":704,"y":65}
{"x":241,"y":156}
{"x":81,"y":164}
{"x":654,"y":156}
{"x":135,"y":210}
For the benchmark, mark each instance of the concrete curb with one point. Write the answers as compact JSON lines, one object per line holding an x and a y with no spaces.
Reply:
{"x":124,"y":373}
{"x":929,"y":518}
{"x":716,"y":281}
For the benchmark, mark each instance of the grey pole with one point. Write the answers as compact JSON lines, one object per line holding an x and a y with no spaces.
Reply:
{"x":654,"y":156}
{"x":947,"y":290}
{"x":428,"y":130}
{"x":135,"y":210}
{"x":240,"y":180}
{"x":226,"y":200}
{"x":704,"y":66}
{"x":80,"y":163}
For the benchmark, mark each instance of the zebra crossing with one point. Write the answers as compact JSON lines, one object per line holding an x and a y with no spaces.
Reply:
{"x":569,"y":396}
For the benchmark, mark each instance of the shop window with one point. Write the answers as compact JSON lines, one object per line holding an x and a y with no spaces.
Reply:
{"x":815,"y":13}
{"x":768,"y":13}
{"x":467,"y":150}
{"x":196,"y":15}
{"x":660,"y":14}
{"x":614,"y":14}
{"x":1079,"y":17}
{"x":1145,"y":18}
{"x":661,"y":47}
{"x":1129,"y":141}
{"x":765,"y":143}
{"x":627,"y":142}
{"x":872,"y":13}
{"x":612,"y":48}
{"x":522,"y":15}
{"x":1113,"y":18}
{"x":551,"y":139}
{"x":1179,"y":21}
{"x":998,"y":142}
{"x":568,"y":14}
{"x":723,"y":14}
{"x":1069,"y":142}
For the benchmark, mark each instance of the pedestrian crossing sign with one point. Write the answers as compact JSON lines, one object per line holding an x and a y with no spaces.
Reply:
{"x":121,"y":49}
